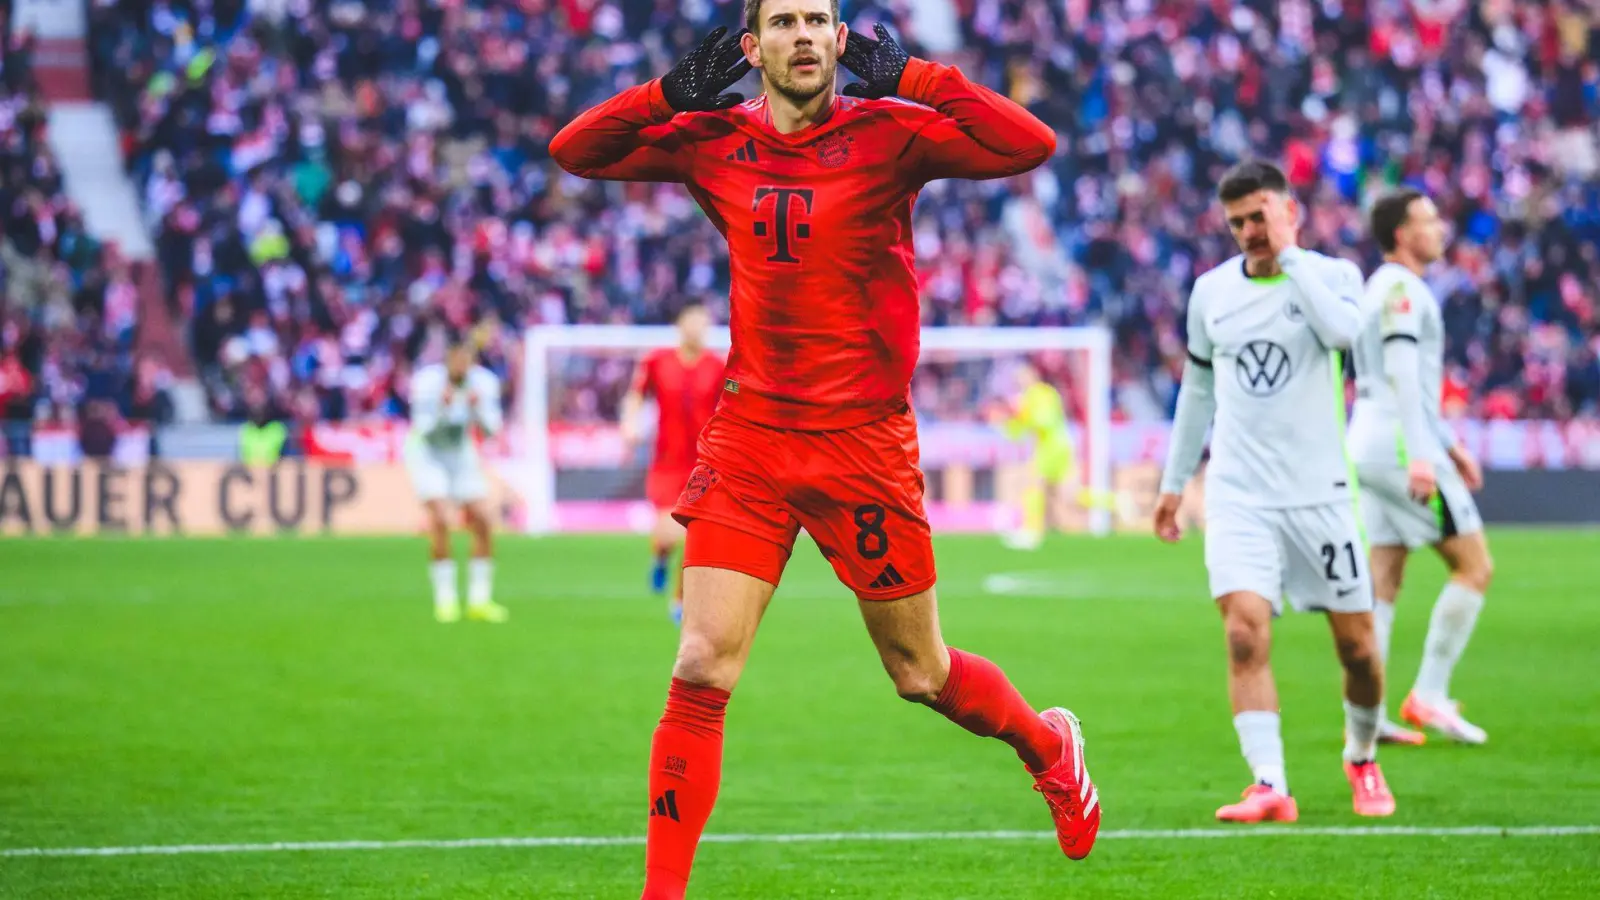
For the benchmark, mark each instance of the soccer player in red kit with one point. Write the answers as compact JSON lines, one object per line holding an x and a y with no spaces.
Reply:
{"x":686,"y":382}
{"x":814,"y":192}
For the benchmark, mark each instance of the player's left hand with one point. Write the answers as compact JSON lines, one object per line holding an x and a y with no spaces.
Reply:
{"x":1467,"y":466}
{"x":1282,"y":229}
{"x":878,"y":63}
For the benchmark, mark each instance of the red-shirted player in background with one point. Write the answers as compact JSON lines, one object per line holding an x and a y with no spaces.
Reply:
{"x":814,"y":192}
{"x":686,"y":381}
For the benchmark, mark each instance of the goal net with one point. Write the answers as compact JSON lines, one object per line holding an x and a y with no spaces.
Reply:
{"x":581,"y":477}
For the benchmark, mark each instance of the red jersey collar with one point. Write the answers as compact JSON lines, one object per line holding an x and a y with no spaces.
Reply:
{"x":763,"y":111}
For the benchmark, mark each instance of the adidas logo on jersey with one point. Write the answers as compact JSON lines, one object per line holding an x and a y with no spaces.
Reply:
{"x":747,"y":153}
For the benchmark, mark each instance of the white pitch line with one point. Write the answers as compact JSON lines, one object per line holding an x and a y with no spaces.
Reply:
{"x":1069,"y":586}
{"x":821,"y":837}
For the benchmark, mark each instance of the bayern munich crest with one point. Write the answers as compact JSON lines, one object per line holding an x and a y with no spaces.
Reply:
{"x":700,"y":480}
{"x":833,"y":150}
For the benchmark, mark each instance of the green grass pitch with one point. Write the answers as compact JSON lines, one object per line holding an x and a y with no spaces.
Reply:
{"x":223,"y":692}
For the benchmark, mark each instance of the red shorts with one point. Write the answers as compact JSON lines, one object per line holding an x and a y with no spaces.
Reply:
{"x":663,"y":485}
{"x":857,"y":491}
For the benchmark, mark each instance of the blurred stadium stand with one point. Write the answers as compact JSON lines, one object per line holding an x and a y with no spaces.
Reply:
{"x":328,"y":186}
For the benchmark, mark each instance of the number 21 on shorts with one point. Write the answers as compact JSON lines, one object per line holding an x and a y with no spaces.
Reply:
{"x":1330,"y":560}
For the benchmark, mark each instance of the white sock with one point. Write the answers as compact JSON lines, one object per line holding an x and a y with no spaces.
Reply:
{"x":444,"y":582}
{"x":1383,"y":626}
{"x":1382,"y":630}
{"x":1361,"y":732}
{"x":1454,"y":615}
{"x":1261,"y":741}
{"x":480,"y":581}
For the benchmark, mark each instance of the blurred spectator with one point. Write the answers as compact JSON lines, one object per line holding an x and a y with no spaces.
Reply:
{"x":263,"y":435}
{"x":16,"y":388}
{"x":97,"y":433}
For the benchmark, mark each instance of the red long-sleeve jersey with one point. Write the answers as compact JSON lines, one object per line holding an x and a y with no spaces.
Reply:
{"x":687,"y":394}
{"x":825,"y":320}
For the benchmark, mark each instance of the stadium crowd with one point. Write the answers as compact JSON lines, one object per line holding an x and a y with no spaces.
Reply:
{"x":330,"y":192}
{"x":67,"y":303}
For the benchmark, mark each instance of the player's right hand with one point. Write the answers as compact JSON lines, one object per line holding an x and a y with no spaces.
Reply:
{"x":697,"y":82}
{"x":1420,"y":480}
{"x":1166,"y":517}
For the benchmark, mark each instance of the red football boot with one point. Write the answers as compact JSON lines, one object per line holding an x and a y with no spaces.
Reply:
{"x":1074,"y":803}
{"x":1370,"y":794}
{"x":1261,"y":803}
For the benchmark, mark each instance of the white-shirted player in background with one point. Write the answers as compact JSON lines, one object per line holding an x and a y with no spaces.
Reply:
{"x":447,"y":401}
{"x":1265,"y":331}
{"x":1416,"y":479}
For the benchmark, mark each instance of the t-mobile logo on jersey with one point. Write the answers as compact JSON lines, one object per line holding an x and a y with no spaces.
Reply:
{"x":788,"y":220}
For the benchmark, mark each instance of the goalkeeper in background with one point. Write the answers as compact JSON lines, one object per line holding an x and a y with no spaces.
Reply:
{"x":1039,"y":412}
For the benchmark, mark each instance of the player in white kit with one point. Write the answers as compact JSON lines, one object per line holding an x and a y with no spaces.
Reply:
{"x":1416,"y":479}
{"x":447,"y":402}
{"x":1265,"y":333}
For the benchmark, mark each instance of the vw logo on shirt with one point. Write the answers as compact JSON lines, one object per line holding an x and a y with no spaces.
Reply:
{"x":1263,"y":368}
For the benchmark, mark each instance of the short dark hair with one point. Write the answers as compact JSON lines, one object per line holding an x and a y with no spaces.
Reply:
{"x":469,"y":338}
{"x":752,"y":13}
{"x":1389,"y":215}
{"x":1250,"y":176}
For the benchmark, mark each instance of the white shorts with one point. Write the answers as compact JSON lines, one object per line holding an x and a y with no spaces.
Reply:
{"x":454,"y":475}
{"x":1393,"y":519}
{"x":1314,"y":555}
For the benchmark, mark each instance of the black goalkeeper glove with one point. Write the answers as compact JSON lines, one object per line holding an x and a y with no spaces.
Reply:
{"x":878,"y":63}
{"x":696,"y":83}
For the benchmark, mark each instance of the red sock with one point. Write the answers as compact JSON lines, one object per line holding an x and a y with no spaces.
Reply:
{"x":980,"y":698}
{"x":685,"y":770}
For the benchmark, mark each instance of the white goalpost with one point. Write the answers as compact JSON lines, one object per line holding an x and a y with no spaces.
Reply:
{"x":547,"y":347}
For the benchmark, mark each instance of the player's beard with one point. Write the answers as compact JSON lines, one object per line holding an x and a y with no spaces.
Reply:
{"x":801,"y":91}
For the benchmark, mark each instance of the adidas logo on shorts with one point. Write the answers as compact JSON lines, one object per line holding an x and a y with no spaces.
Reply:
{"x":887,"y":579}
